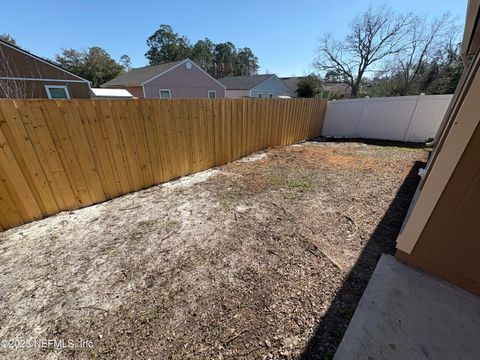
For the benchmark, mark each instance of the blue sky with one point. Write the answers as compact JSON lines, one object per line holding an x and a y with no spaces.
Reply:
{"x":283,"y":34}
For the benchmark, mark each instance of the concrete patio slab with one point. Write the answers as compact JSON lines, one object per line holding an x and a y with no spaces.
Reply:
{"x":407,"y":314}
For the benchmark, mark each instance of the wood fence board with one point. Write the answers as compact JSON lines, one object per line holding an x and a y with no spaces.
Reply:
{"x":151,"y":139}
{"x":101,"y":155}
{"x":114,"y":145}
{"x":53,"y":120}
{"x":175,"y":134}
{"x":44,"y":146}
{"x":16,"y":183}
{"x":81,"y":147}
{"x":10,"y":215}
{"x":57,"y":155}
{"x":24,"y":152}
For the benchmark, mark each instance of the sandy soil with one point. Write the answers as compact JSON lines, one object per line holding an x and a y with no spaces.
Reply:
{"x":263,"y":258}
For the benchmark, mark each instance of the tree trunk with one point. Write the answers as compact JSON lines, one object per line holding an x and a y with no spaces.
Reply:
{"x":354,"y":91}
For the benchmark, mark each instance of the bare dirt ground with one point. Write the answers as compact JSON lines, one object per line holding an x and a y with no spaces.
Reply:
{"x":263,"y":258}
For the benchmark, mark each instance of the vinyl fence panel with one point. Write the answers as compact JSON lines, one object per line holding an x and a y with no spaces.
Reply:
{"x":402,"y":118}
{"x":427,"y":117}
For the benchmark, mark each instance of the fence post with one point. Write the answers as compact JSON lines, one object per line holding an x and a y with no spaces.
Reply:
{"x":364,"y":101}
{"x":411,"y":117}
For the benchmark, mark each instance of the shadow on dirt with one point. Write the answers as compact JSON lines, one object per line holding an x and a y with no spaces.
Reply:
{"x":329,"y":331}
{"x":376,"y":142}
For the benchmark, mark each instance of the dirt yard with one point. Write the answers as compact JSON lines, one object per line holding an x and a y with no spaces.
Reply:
{"x":263,"y":258}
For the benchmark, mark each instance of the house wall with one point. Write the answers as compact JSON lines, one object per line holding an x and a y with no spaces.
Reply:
{"x":237,"y":94}
{"x":271,"y":85}
{"x":449,"y":245}
{"x":29,"y":73}
{"x":136,"y":91}
{"x":291,"y":93}
{"x":441,"y":233}
{"x":184,"y":84}
{"x":36,"y":89}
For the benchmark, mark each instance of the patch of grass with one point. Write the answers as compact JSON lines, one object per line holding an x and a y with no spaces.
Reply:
{"x":171,"y":224}
{"x":180,"y":191}
{"x":142,"y":227}
{"x":296,"y":183}
{"x":146,"y":224}
{"x":277,"y":180}
{"x":299,"y":184}
{"x":230,"y":196}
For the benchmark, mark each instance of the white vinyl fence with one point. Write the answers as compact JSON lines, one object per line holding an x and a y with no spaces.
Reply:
{"x":401,"y":118}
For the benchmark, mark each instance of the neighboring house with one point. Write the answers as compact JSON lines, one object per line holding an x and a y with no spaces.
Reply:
{"x":24,"y":75}
{"x":176,"y":80}
{"x":259,"y":86}
{"x":342,"y":89}
{"x":292,"y":82}
{"x":96,"y":93}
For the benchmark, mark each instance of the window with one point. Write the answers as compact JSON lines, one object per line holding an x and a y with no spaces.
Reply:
{"x":260,"y":95}
{"x":212,"y":94}
{"x":270,"y":95}
{"x":165,"y":94}
{"x":57,"y":92}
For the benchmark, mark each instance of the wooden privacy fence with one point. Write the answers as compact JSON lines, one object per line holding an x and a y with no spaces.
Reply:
{"x":66,"y":154}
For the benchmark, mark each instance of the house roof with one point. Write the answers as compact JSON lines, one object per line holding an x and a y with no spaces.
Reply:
{"x":243,"y":82}
{"x":138,"y":77}
{"x":471,"y":35}
{"x":292,"y":82}
{"x":117,"y":93}
{"x":48,"y":62}
{"x":341,"y":88}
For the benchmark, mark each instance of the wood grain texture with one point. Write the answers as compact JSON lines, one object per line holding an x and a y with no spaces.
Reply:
{"x":60,"y":155}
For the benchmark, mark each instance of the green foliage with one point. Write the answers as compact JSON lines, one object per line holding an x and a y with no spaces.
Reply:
{"x":202,"y":54}
{"x":167,"y":46}
{"x":442,"y":75}
{"x":439,"y":75}
{"x":309,"y":86}
{"x":331,"y":95}
{"x":333,"y":76}
{"x":247,"y":62}
{"x":126,"y":62}
{"x":93,"y":64}
{"x":219,"y":60}
{"x":8,"y":39}
{"x":225,"y":57}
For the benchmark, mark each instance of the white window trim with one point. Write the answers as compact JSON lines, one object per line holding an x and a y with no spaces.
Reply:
{"x":211,"y":91}
{"x":270,"y":97}
{"x":47,"y":89}
{"x":169,"y":93}
{"x":260,"y":95}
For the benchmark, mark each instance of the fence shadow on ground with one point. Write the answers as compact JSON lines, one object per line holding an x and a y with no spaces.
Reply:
{"x":329,"y":331}
{"x":377,"y":142}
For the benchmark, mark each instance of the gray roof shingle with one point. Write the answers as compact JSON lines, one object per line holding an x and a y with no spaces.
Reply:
{"x":136,"y":77}
{"x":243,"y":82}
{"x":292,"y":81}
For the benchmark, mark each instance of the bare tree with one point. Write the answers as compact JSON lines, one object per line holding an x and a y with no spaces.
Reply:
{"x":374,"y":36}
{"x":9,"y":86}
{"x":423,"y":41}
